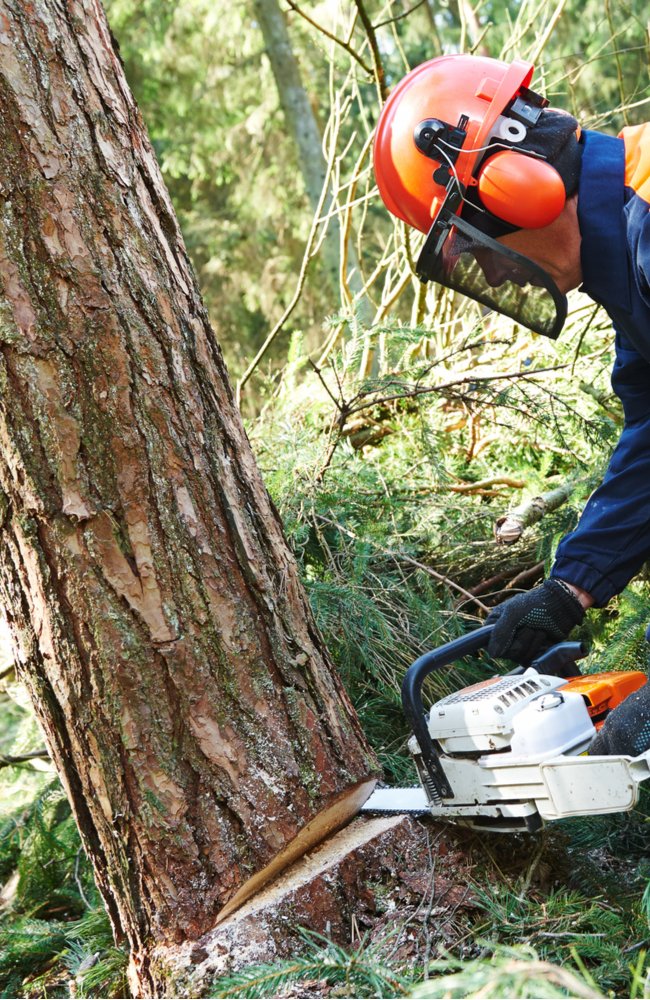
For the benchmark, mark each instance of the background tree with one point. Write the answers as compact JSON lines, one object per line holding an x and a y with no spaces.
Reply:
{"x":301,"y":123}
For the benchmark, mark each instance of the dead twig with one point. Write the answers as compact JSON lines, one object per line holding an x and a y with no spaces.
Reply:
{"x":9,"y":760}
{"x":399,"y":17}
{"x":334,"y":38}
{"x":379,"y":74}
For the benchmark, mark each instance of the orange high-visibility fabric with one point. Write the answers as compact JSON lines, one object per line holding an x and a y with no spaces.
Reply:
{"x":637,"y":159}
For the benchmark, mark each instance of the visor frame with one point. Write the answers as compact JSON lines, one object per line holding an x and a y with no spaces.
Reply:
{"x":429,"y":263}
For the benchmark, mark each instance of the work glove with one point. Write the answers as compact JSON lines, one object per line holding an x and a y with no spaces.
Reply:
{"x":626,"y":730}
{"x":526,"y":625}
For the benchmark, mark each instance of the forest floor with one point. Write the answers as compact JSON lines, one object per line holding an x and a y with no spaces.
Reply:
{"x":457,"y":900}
{"x":411,"y":911}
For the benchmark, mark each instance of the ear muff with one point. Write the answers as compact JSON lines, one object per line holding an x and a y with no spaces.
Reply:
{"x":522,"y":190}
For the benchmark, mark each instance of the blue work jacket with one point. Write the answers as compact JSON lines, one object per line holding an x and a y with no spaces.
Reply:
{"x":612,"y":539}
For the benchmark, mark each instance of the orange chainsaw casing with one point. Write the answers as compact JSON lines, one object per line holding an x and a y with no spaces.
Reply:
{"x":603,"y":692}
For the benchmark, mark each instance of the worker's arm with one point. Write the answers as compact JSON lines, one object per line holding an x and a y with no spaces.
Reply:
{"x":610,"y":543}
{"x":612,"y":539}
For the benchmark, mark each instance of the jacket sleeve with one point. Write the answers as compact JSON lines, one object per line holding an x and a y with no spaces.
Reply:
{"x":612,"y":539}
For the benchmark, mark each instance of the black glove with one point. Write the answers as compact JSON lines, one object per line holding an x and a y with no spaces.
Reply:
{"x":526,"y":625}
{"x":627,"y":728}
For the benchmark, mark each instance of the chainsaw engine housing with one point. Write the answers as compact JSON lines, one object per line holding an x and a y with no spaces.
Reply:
{"x":484,"y":716}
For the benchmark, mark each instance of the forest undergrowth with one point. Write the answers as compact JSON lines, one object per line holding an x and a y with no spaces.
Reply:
{"x":390,"y":488}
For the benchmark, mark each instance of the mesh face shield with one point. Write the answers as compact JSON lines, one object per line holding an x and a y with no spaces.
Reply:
{"x":461,"y":257}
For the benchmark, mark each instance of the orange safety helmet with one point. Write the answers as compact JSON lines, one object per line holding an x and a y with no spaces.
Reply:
{"x":465,"y":101}
{"x":465,"y":151}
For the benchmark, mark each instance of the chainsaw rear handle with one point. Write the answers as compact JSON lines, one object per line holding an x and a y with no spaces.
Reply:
{"x":414,"y":678}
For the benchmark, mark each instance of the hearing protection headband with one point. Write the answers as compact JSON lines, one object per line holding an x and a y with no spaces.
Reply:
{"x":459,"y":256}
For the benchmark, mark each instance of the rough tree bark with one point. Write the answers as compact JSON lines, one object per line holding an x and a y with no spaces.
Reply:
{"x":182,"y":687}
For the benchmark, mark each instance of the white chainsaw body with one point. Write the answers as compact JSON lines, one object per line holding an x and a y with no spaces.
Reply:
{"x":513,"y":750}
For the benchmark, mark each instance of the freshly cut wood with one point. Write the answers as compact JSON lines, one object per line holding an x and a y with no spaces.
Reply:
{"x":509,"y":528}
{"x":330,"y":819}
{"x":160,"y":624}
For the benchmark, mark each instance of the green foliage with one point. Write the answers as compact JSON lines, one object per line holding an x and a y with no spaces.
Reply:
{"x":557,"y":925}
{"x":74,"y":958}
{"x":91,"y":958}
{"x":361,"y":973}
{"x":27,"y":946}
{"x":516,"y":972}
{"x":55,"y":937}
{"x":621,"y":643}
{"x":50,"y":832}
{"x":379,"y":484}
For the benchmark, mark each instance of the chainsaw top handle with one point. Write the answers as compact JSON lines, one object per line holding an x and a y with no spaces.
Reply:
{"x":559,"y":660}
{"x":414,"y":678}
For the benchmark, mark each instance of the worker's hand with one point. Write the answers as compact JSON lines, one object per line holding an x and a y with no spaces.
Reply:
{"x":627,"y":729}
{"x":528,"y":624}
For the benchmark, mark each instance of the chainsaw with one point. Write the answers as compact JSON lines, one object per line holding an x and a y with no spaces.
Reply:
{"x":510,"y":753}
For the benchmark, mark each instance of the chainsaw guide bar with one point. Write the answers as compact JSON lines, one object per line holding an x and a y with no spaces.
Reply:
{"x":397,"y":800}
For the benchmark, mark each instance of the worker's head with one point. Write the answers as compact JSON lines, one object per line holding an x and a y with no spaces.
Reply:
{"x":466,"y":153}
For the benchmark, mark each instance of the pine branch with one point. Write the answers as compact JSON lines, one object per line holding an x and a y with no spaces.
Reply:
{"x":402,"y":557}
{"x":469,"y":380}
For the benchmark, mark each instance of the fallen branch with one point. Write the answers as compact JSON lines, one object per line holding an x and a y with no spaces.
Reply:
{"x":8,"y":760}
{"x":504,"y":577}
{"x":604,"y":399}
{"x":516,"y":484}
{"x":526,"y":577}
{"x":509,"y":528}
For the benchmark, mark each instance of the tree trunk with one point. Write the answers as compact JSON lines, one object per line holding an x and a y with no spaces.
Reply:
{"x":161,"y":627}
